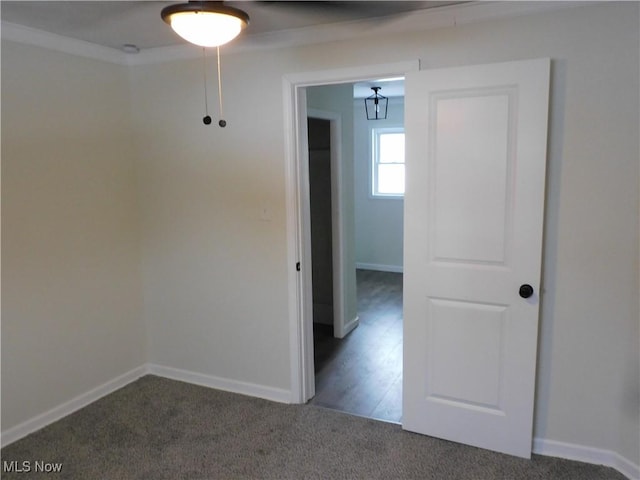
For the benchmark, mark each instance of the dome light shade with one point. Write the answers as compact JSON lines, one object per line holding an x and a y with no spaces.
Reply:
{"x":207,"y":24}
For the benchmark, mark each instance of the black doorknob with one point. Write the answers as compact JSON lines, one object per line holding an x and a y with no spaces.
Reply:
{"x":526,"y":290}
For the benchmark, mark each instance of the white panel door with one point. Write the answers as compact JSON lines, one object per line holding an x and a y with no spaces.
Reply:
{"x":475,"y":178}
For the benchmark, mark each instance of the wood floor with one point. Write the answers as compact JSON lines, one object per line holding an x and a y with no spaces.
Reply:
{"x":361,"y":374}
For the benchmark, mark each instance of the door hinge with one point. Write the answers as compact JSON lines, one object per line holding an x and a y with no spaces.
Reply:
{"x":297,"y":266}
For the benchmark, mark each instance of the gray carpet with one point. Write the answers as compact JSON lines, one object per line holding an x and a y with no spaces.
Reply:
{"x":159,"y":429}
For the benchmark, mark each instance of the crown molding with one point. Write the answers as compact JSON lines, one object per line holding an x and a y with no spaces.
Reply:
{"x":440,"y":17}
{"x":39,"y":38}
{"x":428,"y":19}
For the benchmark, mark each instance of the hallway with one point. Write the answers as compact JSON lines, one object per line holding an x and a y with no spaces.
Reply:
{"x":361,"y":374}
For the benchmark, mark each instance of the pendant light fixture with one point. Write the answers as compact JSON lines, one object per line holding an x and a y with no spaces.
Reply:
{"x":376,"y":105}
{"x":206,"y":24}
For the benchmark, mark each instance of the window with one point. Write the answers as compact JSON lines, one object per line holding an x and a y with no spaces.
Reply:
{"x":387,"y":172}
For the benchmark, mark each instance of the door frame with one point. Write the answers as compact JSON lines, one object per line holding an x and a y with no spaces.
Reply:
{"x":300,"y":299}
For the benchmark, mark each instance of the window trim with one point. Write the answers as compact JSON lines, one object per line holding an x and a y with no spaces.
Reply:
{"x":375,"y":133}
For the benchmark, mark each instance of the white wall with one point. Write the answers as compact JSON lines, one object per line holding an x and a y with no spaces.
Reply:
{"x":214,"y":273}
{"x":215,"y":278}
{"x":71,"y":283}
{"x":213,"y":269}
{"x":379,"y":221}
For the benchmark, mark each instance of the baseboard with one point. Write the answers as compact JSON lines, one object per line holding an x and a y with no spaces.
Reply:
{"x":346,"y":329}
{"x":235,"y":386}
{"x":379,"y":267}
{"x":40,"y":421}
{"x":541,"y":446}
{"x":570,"y":451}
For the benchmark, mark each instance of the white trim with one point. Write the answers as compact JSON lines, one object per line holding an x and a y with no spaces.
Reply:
{"x":351,"y":74}
{"x":298,"y":243}
{"x":417,"y":20}
{"x":172,"y":53}
{"x":348,"y":327}
{"x":67,"y":408}
{"x":300,"y":333}
{"x":40,"y":421}
{"x":541,"y":446}
{"x":379,"y":267}
{"x":39,"y":38}
{"x":582,"y":453}
{"x":220,"y":383}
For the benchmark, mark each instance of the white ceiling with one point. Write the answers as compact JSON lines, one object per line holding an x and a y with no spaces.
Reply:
{"x":113,"y":24}
{"x":116,"y":23}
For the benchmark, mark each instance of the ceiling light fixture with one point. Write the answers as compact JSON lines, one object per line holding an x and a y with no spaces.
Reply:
{"x":375,"y":104}
{"x":207,"y":24}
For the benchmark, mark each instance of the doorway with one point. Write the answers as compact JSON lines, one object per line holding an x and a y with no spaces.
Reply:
{"x":501,"y":103}
{"x":298,"y":222}
{"x":358,"y":372}
{"x":320,"y":209}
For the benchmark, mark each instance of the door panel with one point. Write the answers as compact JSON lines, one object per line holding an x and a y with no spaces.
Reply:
{"x":475,"y":162}
{"x":471,"y":330}
{"x":470,"y":179}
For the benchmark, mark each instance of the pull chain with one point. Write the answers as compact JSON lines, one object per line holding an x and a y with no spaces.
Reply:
{"x":222,"y":122}
{"x":206,"y":119}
